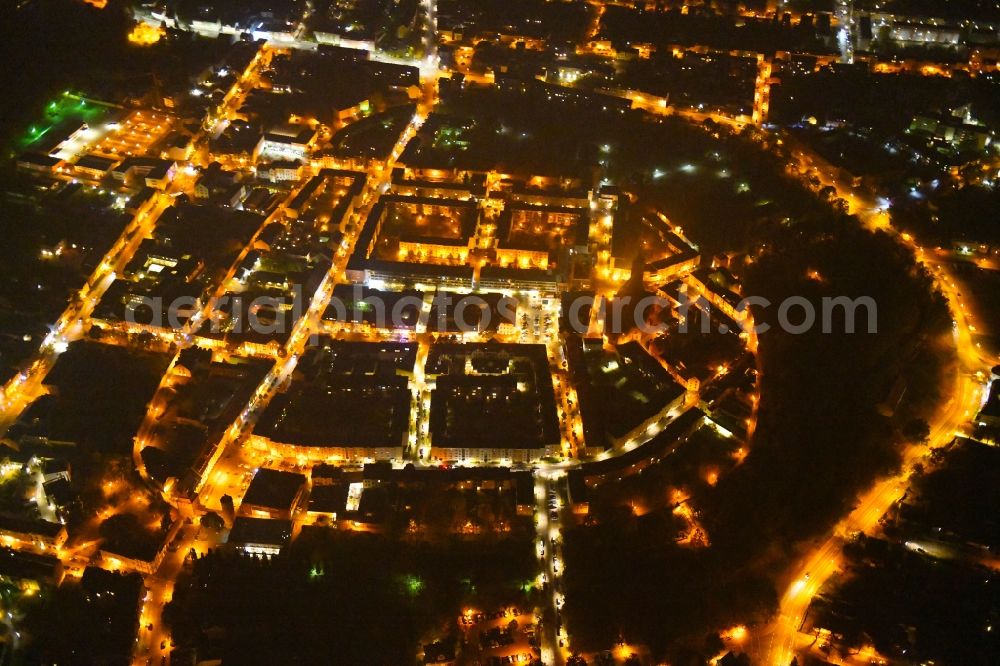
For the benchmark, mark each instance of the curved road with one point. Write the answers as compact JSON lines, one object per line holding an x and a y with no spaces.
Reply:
{"x":779,"y":642}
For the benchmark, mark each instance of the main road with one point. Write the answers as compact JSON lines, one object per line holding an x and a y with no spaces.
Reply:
{"x":779,"y":642}
{"x":27,"y":385}
{"x":223,"y":464}
{"x":550,"y":504}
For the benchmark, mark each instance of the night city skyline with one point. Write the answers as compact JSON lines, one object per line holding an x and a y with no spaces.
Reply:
{"x":482,"y":332}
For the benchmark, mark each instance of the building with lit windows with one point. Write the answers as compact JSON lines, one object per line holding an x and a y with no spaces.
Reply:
{"x":259,"y":536}
{"x":491,"y":402}
{"x":41,"y":534}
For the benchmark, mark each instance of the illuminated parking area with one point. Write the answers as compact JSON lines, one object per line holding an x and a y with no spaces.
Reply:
{"x":77,"y":143}
{"x":113,"y":137}
{"x":134,"y":135}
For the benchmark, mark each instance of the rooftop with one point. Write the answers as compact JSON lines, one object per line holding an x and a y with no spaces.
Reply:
{"x":274,"y":489}
{"x":260,"y":531}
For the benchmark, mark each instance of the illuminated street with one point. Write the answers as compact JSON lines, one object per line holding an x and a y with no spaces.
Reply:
{"x":451,"y":332}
